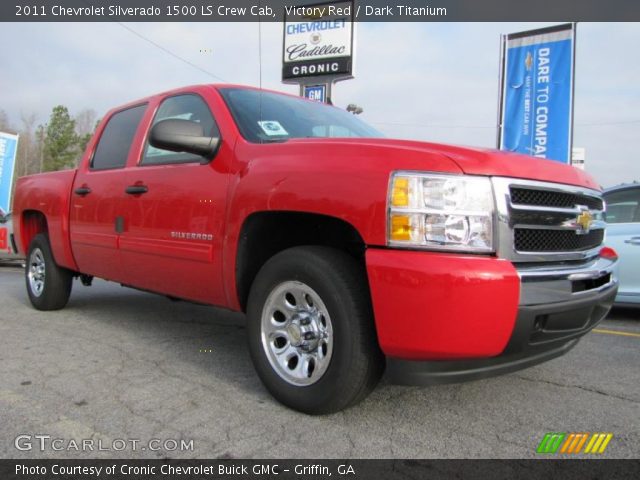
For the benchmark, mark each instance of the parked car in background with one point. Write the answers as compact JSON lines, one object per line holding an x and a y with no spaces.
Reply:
{"x":8,"y":249}
{"x":623,"y":234}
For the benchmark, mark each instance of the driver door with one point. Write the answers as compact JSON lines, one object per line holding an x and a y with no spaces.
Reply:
{"x":172,"y":242}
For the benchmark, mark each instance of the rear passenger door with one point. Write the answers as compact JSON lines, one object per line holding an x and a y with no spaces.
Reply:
{"x":97,"y":197}
{"x":175,"y":212}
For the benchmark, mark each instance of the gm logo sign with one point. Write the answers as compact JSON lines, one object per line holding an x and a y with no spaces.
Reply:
{"x":573,"y":443}
{"x":317,"y":93}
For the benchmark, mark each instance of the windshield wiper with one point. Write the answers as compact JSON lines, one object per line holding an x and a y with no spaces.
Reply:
{"x":274,"y":140}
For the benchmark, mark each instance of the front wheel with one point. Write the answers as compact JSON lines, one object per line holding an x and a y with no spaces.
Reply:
{"x":311,"y":332}
{"x":48,"y":285}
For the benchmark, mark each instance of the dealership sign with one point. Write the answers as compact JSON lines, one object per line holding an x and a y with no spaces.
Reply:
{"x":317,"y":93}
{"x":8,"y":149}
{"x":318,"y":41}
{"x":536,"y":102}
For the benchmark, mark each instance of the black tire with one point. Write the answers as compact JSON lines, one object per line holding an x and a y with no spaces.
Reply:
{"x":50,"y":290}
{"x":356,"y":362}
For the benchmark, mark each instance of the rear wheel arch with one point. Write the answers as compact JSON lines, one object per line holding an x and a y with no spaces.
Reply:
{"x":48,"y":284}
{"x":33,"y":222}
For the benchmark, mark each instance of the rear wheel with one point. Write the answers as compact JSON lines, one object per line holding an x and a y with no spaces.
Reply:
{"x":311,"y":331}
{"x":48,"y":285}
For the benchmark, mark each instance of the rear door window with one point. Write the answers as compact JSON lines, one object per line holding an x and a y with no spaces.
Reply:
{"x":115,"y":142}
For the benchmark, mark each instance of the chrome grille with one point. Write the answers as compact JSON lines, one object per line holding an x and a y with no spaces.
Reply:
{"x":542,"y":240}
{"x":543,"y":222}
{"x":545,"y":198}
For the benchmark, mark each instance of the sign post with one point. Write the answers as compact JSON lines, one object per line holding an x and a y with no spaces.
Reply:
{"x":318,"y":47}
{"x":536,"y":92}
{"x":8,"y":150}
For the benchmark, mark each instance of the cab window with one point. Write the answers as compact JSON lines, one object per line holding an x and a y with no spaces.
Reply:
{"x":115,"y":142}
{"x":185,"y":107}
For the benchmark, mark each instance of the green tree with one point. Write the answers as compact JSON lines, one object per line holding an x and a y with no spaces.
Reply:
{"x":86,"y":124}
{"x":60,"y":142}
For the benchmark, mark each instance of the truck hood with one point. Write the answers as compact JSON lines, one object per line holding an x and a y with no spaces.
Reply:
{"x":477,"y":161}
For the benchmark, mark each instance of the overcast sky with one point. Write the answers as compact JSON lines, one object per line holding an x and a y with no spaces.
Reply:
{"x":428,"y":81}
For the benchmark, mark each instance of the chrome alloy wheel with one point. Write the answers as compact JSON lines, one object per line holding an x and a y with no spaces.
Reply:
{"x":36,"y":272}
{"x":297,"y":334}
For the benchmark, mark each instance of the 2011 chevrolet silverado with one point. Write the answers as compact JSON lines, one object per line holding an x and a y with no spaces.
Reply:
{"x":347,"y":251}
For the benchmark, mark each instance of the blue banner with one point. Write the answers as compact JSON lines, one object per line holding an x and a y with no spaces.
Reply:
{"x":8,"y":149}
{"x":537,"y":93}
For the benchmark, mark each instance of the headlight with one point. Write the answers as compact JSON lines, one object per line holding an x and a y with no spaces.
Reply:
{"x":443,"y":212}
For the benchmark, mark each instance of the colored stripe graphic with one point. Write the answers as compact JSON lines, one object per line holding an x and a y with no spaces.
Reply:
{"x":551,"y":442}
{"x":572,"y":443}
{"x":581,"y":443}
{"x":598,"y":443}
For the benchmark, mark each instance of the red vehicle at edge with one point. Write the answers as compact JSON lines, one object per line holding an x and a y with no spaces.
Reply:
{"x":348,"y":252}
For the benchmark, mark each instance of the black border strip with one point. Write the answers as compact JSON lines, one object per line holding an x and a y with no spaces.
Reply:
{"x":552,"y":466}
{"x":540,"y":31}
{"x":456,"y":10}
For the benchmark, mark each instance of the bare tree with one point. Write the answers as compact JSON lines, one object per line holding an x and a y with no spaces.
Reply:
{"x":5,"y":123}
{"x":41,"y":133}
{"x":85,"y":126}
{"x":26,"y":164}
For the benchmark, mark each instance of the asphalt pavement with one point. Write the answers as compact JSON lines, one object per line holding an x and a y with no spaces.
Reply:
{"x":140,"y":376}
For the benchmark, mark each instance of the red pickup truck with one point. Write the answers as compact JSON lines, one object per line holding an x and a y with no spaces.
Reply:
{"x":347,"y":251}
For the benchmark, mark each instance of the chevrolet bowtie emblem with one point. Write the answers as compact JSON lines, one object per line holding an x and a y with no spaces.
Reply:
{"x":584,"y":221}
{"x":528,"y":61}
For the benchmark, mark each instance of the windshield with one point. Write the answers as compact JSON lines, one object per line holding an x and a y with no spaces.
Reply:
{"x":267,"y":117}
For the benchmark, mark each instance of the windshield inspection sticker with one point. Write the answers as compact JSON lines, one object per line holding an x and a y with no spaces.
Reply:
{"x":272,"y":128}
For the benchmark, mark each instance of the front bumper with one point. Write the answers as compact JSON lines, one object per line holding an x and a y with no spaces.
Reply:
{"x":445,"y":318}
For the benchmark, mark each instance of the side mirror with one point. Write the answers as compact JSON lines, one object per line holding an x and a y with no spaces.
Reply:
{"x":3,"y":216}
{"x":178,"y":135}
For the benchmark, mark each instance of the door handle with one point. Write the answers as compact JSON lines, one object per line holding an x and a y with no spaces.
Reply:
{"x":136,"y":189}
{"x":82,"y":191}
{"x":633,"y":241}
